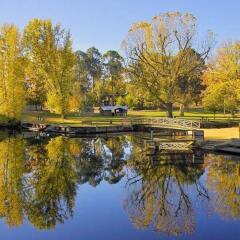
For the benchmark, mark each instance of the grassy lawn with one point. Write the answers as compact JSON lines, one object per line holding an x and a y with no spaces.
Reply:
{"x":191,"y":114}
{"x":95,"y":118}
{"x":73,"y":119}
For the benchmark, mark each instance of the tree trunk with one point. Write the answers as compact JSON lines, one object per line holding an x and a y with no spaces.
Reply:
{"x":169,"y":110}
{"x":224,"y":108}
{"x":181,"y":110}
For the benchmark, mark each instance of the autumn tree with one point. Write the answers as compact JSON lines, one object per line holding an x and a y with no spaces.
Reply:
{"x":12,"y":91}
{"x":49,"y":49}
{"x":222,"y":79}
{"x":60,"y":83}
{"x":37,"y":43}
{"x":158,"y":54}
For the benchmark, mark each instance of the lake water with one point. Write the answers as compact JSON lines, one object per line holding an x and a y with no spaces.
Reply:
{"x":110,"y":188}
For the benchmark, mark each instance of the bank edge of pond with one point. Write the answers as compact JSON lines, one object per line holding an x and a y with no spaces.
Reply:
{"x":217,"y":144}
{"x":228,"y":146}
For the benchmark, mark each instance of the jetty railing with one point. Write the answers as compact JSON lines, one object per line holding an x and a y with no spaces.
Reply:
{"x":175,"y":123}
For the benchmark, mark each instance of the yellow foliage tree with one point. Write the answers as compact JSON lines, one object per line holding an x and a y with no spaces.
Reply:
{"x":50,"y":68}
{"x":222,"y":78}
{"x":12,"y":92}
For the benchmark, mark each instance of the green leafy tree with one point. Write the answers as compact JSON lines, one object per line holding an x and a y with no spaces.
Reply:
{"x":220,"y":97}
{"x":81,"y":71}
{"x":94,"y":65}
{"x":191,"y":86}
{"x":114,"y":78}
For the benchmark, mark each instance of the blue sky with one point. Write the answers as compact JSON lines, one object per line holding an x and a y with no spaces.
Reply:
{"x":104,"y":23}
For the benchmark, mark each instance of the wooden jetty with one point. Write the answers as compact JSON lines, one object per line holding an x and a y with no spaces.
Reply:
{"x":163,"y":126}
{"x":171,"y":127}
{"x":75,"y":131}
{"x":175,"y":126}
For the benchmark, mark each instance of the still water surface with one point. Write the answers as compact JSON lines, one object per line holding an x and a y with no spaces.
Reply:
{"x":109,"y":188}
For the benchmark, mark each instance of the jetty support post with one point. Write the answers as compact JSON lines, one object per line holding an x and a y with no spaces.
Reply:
{"x":198,"y":135}
{"x":151,"y":134}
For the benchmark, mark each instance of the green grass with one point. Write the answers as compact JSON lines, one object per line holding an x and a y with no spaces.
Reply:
{"x":97,"y":119}
{"x":73,"y":119}
{"x":188,"y":114}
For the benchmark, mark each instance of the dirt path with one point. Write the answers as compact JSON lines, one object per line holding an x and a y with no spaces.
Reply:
{"x":221,"y":133}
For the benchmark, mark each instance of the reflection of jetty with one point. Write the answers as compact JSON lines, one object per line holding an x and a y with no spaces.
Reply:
{"x":171,"y":144}
{"x":168,"y":140}
{"x":168,"y":158}
{"x":224,"y":146}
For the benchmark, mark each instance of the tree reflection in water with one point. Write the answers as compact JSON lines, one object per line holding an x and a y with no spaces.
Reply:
{"x":39,"y":181}
{"x":102,"y":159}
{"x":52,"y":184}
{"x":159,"y":193}
{"x":12,"y":169}
{"x":224,"y":182}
